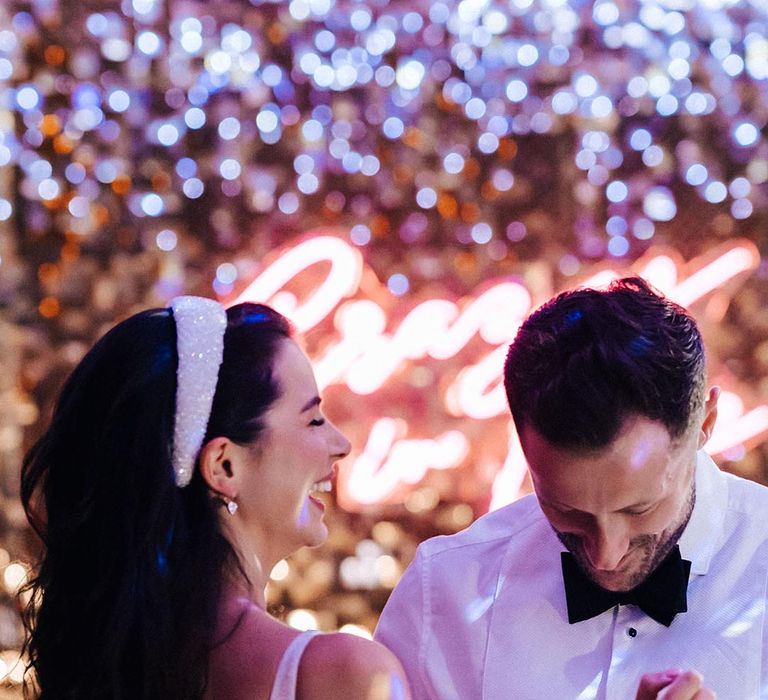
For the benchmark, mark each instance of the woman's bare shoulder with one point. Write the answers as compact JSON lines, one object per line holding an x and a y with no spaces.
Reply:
{"x":248,"y":648}
{"x":343,"y":665}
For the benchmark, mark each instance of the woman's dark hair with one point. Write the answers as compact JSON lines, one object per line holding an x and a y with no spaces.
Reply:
{"x":589,"y":358}
{"x":126,"y":596}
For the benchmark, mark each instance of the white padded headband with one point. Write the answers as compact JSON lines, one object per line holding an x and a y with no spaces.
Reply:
{"x":200,"y":326}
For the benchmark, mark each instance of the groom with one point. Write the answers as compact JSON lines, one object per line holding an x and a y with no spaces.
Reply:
{"x":635,"y":554}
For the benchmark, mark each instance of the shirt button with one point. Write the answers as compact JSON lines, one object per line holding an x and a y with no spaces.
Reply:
{"x":632,"y":632}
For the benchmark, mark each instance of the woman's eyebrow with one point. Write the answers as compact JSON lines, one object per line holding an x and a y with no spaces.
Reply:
{"x":311,"y":403}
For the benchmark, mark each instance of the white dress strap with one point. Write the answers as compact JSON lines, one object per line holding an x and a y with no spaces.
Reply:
{"x":284,"y":687}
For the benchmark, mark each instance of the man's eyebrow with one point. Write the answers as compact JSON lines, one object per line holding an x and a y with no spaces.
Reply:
{"x":641,"y":505}
{"x":310,"y":404}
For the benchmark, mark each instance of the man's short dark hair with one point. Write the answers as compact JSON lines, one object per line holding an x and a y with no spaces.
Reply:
{"x":589,"y":358}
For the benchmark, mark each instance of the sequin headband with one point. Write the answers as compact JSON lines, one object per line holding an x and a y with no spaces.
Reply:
{"x":200,"y":326}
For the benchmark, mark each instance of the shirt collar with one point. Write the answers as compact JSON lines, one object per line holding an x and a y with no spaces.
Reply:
{"x":701,"y":537}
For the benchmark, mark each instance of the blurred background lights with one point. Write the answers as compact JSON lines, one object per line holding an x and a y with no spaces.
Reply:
{"x":191,"y":41}
{"x":288,"y":203}
{"x":186,"y":167}
{"x":312,"y":130}
{"x":116,"y":49}
{"x":152,"y":204}
{"x":370,"y":165}
{"x":412,"y":22}
{"x":516,"y":231}
{"x":267,"y":120}
{"x":616,"y":191}
{"x":148,"y":43}
{"x":696,"y":174}
{"x":601,"y":106}
{"x":409,"y":74}
{"x":360,"y":234}
{"x":307,"y":183}
{"x":482,"y":233}
{"x":475,"y":108}
{"x":48,"y":189}
{"x":745,"y":134}
{"x":426,"y":197}
{"x":168,"y":134}
{"x":226,"y":273}
{"x":643,"y":229}
{"x":398,"y":284}
{"x":280,"y":571}
{"x":79,"y":206}
{"x":517,"y":90}
{"x":453,"y":163}
{"x":393,"y":127}
{"x":715,"y":192}
{"x":15,"y":576}
{"x":166,"y":239}
{"x":325,"y":40}
{"x":229,"y":128}
{"x":503,"y":179}
{"x":653,"y":156}
{"x":616,"y":226}
{"x":741,"y":208}
{"x":666,"y":105}
{"x":194,"y":118}
{"x":527,"y":55}
{"x":659,"y":204}
{"x":585,"y":85}
{"x":119,"y":100}
{"x":618,"y":246}
{"x":6,"y":69}
{"x":193,"y":188}
{"x":302,"y":619}
{"x":27,"y":97}
{"x":740,"y":187}
{"x":230,"y":169}
{"x":356,"y":630}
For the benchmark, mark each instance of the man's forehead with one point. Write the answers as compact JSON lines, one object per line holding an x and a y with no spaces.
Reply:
{"x":637,"y":438}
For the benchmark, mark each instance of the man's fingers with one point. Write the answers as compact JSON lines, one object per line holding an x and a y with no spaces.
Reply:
{"x":652,"y":683}
{"x":686,"y":686}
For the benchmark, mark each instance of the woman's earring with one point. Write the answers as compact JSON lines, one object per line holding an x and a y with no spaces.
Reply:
{"x":231,"y":506}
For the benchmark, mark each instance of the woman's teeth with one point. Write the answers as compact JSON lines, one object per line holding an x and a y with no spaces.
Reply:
{"x":322,"y":486}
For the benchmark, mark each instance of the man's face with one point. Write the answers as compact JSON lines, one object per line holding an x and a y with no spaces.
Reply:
{"x":619,"y":510}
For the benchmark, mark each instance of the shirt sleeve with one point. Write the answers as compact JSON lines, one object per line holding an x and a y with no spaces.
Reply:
{"x":401,"y":626}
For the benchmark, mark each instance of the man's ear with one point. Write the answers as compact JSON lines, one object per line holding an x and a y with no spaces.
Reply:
{"x":216,"y":466}
{"x":710,"y":416}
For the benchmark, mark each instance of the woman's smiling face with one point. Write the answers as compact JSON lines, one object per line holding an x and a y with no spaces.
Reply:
{"x":294,"y":457}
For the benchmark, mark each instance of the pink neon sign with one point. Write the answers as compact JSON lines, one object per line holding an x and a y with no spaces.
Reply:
{"x":367,"y":347}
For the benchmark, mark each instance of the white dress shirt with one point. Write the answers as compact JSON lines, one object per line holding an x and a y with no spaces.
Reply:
{"x":482,"y":614}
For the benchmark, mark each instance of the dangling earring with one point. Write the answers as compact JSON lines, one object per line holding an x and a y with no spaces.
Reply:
{"x":231,"y":506}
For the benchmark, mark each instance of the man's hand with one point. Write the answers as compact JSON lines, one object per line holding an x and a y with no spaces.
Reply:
{"x":673,"y":685}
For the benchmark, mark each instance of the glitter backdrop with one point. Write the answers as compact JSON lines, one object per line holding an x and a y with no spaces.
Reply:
{"x":150,"y":148}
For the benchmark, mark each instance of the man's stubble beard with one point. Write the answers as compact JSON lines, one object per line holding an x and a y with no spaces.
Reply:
{"x":656,"y":547}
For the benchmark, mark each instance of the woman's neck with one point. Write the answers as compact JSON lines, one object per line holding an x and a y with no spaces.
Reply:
{"x":256,"y":562}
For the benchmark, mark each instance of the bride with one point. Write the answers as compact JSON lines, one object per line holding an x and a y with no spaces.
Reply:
{"x":181,"y":464}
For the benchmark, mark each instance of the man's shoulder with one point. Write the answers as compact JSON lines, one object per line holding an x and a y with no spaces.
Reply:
{"x":746,"y":495}
{"x":497,"y":529}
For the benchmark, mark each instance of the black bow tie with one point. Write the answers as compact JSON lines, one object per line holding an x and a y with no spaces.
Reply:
{"x":661,"y":596}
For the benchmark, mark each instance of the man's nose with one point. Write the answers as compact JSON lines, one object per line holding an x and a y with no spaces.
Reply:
{"x":606,"y":547}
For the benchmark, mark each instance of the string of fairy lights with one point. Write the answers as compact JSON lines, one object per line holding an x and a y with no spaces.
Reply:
{"x":152,"y":147}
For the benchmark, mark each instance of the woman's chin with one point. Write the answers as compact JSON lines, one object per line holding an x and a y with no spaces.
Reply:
{"x":314,"y":531}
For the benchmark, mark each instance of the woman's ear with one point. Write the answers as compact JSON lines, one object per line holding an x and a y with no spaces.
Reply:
{"x":216,"y":466}
{"x":710,"y":416}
